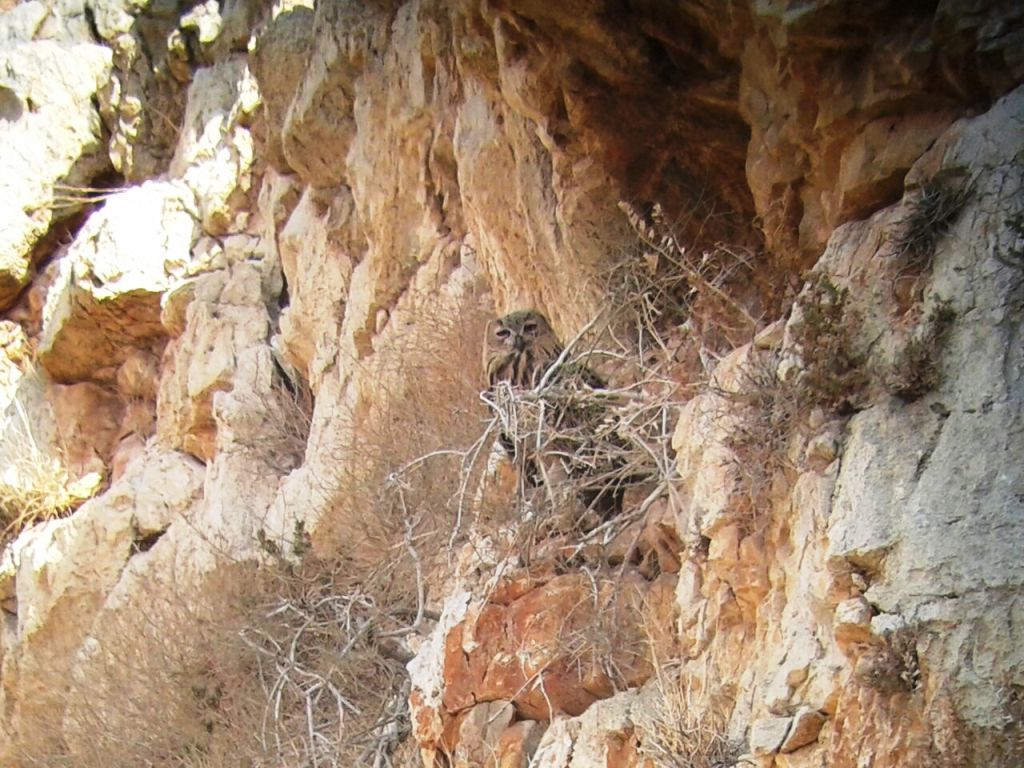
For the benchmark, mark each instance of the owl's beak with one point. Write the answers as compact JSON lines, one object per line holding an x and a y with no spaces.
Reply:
{"x":519,"y":344}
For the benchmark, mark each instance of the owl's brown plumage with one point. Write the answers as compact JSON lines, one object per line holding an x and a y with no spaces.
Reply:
{"x":519,"y":348}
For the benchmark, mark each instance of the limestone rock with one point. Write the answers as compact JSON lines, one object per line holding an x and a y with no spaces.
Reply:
{"x":853,"y":621}
{"x":214,"y":154}
{"x":812,"y":168}
{"x":518,"y":743}
{"x":105,"y":298}
{"x":768,"y":733}
{"x":413,"y":167}
{"x":514,"y":652}
{"x":479,"y":733}
{"x":226,"y":316}
{"x":601,"y":728}
{"x":556,"y":745}
{"x":806,"y":726}
{"x":278,"y":61}
{"x":935,"y":485}
{"x":89,"y":419}
{"x":50,"y":145}
{"x":426,"y":671}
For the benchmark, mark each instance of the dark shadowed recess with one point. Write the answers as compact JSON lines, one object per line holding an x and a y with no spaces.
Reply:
{"x":655,"y":90}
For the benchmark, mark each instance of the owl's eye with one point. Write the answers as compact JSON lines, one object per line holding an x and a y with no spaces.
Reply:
{"x":502,"y":333}
{"x":530,"y":327}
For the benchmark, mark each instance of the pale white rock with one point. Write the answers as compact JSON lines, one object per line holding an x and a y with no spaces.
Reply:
{"x":801,"y":650}
{"x":602,"y":719}
{"x":822,"y":450}
{"x":706,"y":466}
{"x":556,"y":745}
{"x":50,"y":134}
{"x":226,"y":317}
{"x":22,"y":22}
{"x":768,"y":733}
{"x":928,"y":503}
{"x":160,"y":489}
{"x":105,"y":297}
{"x":852,"y":622}
{"x":319,"y":274}
{"x":479,"y":732}
{"x":56,"y":575}
{"x":215,"y":151}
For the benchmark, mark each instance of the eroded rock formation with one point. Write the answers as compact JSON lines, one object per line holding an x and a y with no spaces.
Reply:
{"x":247,"y":255}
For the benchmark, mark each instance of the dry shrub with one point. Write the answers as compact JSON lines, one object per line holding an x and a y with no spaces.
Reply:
{"x":34,"y":483}
{"x":831,"y":373}
{"x":760,"y":415}
{"x":327,"y":652}
{"x":683,"y":732}
{"x":934,"y":209}
{"x":286,"y":410}
{"x":688,"y":304}
{"x":916,"y":371}
{"x":280,"y":664}
{"x":410,"y":444}
{"x":154,"y":683}
{"x":892,"y":666}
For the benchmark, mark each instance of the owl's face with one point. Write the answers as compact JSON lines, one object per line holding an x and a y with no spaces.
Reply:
{"x":519,"y":331}
{"x":519,"y":348}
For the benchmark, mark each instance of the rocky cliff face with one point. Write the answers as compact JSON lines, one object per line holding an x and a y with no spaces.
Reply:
{"x":257,"y":508}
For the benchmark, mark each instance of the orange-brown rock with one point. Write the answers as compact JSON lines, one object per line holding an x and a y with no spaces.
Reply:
{"x":556,"y":648}
{"x":517,"y":744}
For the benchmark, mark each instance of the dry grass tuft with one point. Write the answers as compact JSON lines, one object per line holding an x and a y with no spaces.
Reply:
{"x":832,"y":374}
{"x":34,"y":485}
{"x":933,"y":212}
{"x":891,"y":667}
{"x":761,"y":414}
{"x":684,"y":732}
{"x":287,"y":413}
{"x":917,"y":370}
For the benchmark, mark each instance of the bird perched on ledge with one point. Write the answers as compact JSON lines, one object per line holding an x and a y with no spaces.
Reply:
{"x":519,"y":348}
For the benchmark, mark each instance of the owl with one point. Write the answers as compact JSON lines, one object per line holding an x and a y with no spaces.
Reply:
{"x":519,"y":348}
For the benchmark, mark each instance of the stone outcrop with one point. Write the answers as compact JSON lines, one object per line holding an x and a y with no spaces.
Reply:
{"x":247,"y":255}
{"x":52,"y":140}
